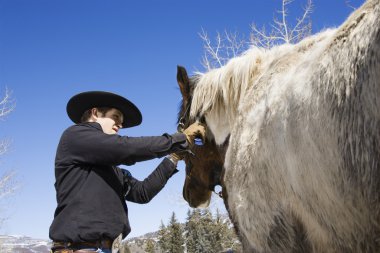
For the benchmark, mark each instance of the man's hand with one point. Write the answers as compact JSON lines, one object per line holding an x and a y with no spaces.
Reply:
{"x":196,"y":129}
{"x":174,"y":157}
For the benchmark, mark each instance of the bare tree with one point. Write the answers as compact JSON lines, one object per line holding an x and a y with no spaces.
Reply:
{"x":281,"y":32}
{"x":225,"y":47}
{"x":229,"y":45}
{"x":7,"y":104}
{"x":8,"y":184}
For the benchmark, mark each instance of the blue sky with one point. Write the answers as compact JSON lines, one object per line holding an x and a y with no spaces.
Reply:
{"x":53,"y":49}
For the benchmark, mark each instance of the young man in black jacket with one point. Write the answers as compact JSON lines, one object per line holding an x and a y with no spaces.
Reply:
{"x":87,"y":176}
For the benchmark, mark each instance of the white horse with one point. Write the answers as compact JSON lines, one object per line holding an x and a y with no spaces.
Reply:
{"x":302,"y":167}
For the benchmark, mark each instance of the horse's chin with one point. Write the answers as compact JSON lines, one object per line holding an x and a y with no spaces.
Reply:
{"x":197,"y":200}
{"x":204,"y":205}
{"x":199,"y":205}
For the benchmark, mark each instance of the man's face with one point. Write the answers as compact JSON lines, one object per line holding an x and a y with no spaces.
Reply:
{"x":111,"y":122}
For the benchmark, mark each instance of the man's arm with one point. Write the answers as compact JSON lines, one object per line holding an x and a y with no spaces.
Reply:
{"x":143,"y":191}
{"x":84,"y":144}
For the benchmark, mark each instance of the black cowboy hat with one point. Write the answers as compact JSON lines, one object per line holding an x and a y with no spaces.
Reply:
{"x":84,"y":101}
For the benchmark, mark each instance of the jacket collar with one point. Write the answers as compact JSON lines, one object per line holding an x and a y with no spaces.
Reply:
{"x":95,"y":125}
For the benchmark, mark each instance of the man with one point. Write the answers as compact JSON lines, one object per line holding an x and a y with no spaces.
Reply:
{"x":91,"y":191}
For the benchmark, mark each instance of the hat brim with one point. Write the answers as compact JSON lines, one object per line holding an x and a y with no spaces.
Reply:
{"x":82,"y":102}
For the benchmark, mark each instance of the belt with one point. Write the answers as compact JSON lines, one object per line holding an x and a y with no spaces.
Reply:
{"x":72,"y":251}
{"x":104,"y":244}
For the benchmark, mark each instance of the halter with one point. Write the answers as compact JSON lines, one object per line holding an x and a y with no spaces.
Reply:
{"x":210,"y":187}
{"x":181,"y":121}
{"x":180,"y":128}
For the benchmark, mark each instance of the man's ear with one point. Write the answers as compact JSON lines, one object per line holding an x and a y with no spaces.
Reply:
{"x":94,"y":113}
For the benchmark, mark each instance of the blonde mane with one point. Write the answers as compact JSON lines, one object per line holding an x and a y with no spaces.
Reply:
{"x":221,"y":93}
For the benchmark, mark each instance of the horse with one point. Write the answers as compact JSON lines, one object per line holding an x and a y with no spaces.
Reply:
{"x":293,"y":138}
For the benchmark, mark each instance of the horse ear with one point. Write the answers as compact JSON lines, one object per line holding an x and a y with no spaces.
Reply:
{"x":183,"y":82}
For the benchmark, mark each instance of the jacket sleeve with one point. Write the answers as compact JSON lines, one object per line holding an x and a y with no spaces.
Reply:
{"x":86,"y":144}
{"x":143,"y":191}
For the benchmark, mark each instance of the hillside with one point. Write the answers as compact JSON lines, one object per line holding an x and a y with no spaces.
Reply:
{"x":24,"y":244}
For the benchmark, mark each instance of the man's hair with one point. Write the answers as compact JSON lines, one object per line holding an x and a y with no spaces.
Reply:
{"x":87,"y":114}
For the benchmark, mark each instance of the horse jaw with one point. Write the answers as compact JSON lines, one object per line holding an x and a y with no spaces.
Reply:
{"x":219,"y":126}
{"x":196,"y":201}
{"x":204,"y":204}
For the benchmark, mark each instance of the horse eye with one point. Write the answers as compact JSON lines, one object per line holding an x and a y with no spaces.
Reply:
{"x":180,"y":127}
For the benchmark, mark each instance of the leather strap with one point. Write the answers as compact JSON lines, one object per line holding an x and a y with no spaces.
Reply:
{"x":72,"y":251}
{"x":76,"y":246}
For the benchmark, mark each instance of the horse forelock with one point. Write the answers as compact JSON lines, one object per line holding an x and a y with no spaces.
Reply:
{"x":218,"y":92}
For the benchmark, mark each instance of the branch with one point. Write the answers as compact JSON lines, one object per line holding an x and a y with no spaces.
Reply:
{"x":8,"y":185}
{"x":349,"y":5}
{"x":4,"y":144}
{"x":284,"y":24}
{"x":302,"y":29}
{"x":231,"y":44}
{"x":280,"y":31}
{"x":212,"y":51}
{"x":226,"y":46}
{"x":307,"y":11}
{"x":236,"y":44}
{"x":6,"y":104}
{"x":259,"y":38}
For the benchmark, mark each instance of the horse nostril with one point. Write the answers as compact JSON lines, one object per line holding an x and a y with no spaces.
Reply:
{"x":217,"y":188}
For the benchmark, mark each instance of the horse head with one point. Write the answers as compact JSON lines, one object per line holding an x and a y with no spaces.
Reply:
{"x":205,"y":162}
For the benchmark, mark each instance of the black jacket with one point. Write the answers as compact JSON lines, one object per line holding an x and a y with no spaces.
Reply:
{"x":91,"y":190}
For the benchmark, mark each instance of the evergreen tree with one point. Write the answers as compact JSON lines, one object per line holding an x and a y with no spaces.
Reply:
{"x":191,"y":230}
{"x":234,"y":242}
{"x":219,"y":232}
{"x":228,"y":235}
{"x":149,"y":248}
{"x":124,"y":248}
{"x":198,"y":232}
{"x":207,"y":231}
{"x":204,"y":233}
{"x":176,"y":241}
{"x":163,"y":238}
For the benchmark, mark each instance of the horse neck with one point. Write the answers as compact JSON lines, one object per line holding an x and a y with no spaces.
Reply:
{"x":345,"y":82}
